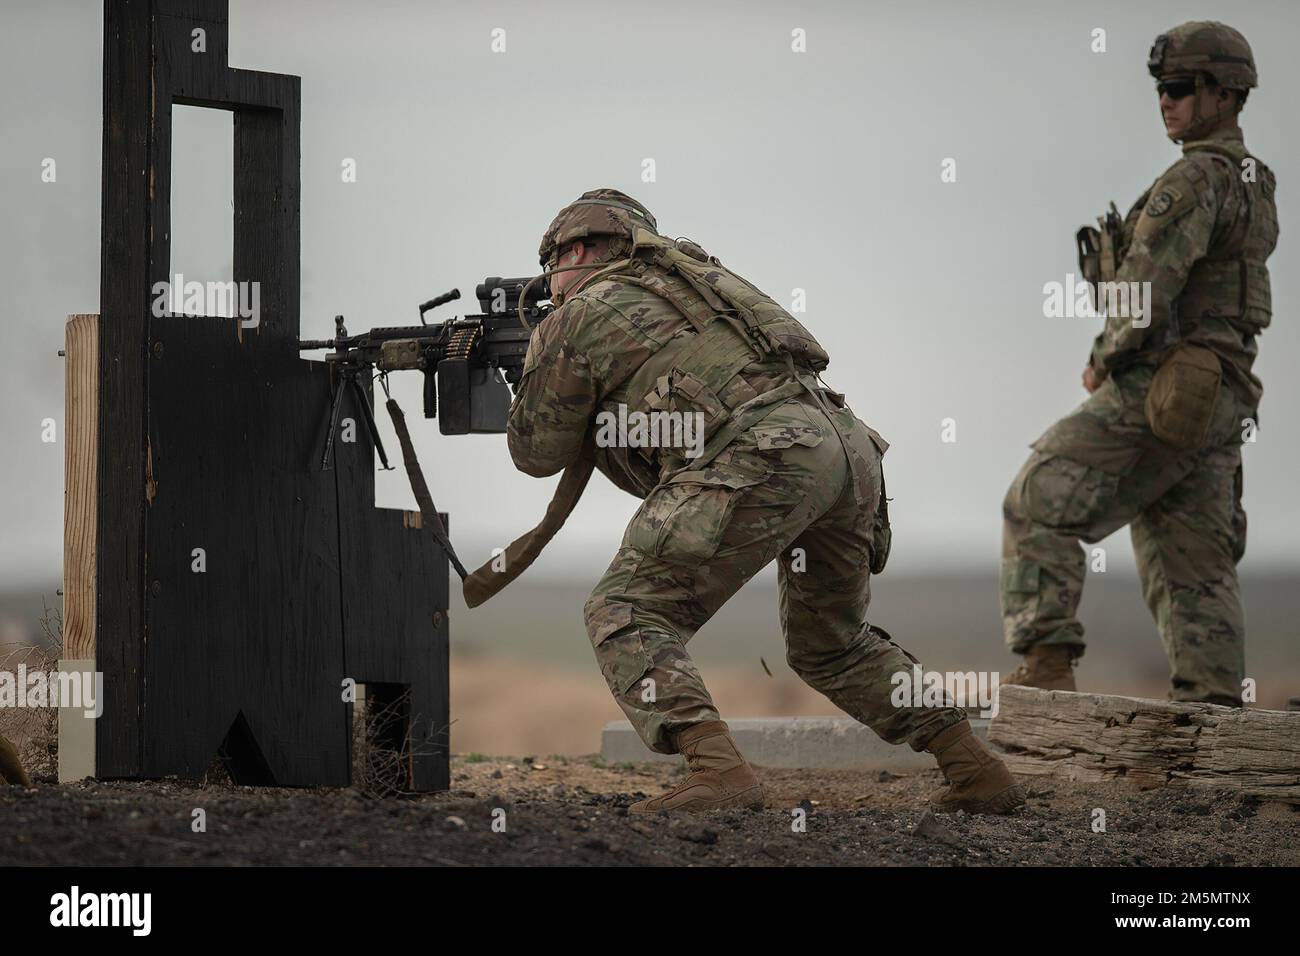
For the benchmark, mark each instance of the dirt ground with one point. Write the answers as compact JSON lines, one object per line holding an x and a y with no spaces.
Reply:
{"x":567,"y":811}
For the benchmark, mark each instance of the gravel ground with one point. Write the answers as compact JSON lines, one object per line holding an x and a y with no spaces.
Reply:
{"x":573,"y":811}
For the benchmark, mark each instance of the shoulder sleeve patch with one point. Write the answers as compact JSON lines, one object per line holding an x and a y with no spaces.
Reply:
{"x":1162,"y":201}
{"x":1173,"y":196}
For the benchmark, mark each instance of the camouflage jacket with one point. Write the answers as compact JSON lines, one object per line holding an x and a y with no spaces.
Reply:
{"x":604,"y":347}
{"x":1200,"y":235}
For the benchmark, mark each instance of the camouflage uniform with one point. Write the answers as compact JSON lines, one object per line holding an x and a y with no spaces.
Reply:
{"x":1200,"y":235}
{"x":799,"y":482}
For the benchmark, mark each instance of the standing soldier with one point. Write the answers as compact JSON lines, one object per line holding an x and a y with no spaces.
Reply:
{"x":780,"y":468}
{"x":1157,"y":445}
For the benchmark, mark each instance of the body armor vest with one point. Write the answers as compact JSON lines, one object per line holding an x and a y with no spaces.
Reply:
{"x":1227,"y":299}
{"x":738,"y":354}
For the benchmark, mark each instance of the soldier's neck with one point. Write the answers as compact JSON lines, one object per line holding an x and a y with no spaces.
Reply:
{"x":1228,"y":129}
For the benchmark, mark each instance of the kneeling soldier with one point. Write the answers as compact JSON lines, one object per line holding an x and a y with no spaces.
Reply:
{"x":779,"y":468}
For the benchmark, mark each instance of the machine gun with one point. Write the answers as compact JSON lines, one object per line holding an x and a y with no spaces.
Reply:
{"x":467,"y":362}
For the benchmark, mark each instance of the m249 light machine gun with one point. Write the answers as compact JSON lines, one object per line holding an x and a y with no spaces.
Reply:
{"x":467,"y":363}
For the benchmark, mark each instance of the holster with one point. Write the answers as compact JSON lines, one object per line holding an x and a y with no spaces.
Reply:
{"x":1183,"y":394}
{"x":1100,"y":252}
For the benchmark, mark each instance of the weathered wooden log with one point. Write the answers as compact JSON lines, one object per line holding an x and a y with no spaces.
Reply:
{"x":1152,"y":743}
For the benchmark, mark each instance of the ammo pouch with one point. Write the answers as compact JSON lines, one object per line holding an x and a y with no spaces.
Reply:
{"x":1182,"y":397}
{"x":683,"y":392}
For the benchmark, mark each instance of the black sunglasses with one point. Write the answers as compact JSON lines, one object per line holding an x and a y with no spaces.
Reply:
{"x":1176,"y":89}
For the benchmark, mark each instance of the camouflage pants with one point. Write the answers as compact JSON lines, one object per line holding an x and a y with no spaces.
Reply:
{"x":1101,"y":468}
{"x":784,"y":488}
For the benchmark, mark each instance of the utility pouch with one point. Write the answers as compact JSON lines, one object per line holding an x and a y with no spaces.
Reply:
{"x":1182,"y":397}
{"x":882,"y":537}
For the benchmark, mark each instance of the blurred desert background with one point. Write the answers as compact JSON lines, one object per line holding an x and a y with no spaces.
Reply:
{"x":524,"y":680}
{"x":816,"y":171}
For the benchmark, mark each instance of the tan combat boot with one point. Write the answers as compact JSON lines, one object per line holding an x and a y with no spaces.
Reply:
{"x":11,"y":771}
{"x":719,"y":776}
{"x":978,"y":781}
{"x":1047,"y":667}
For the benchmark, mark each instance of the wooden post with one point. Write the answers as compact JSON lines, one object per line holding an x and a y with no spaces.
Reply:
{"x":80,"y":519}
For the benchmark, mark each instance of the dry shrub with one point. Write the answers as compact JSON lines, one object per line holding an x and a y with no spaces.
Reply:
{"x":383,"y":748}
{"x":35,"y":730}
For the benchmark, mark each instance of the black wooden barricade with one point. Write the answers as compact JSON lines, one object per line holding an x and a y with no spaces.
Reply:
{"x":210,"y":438}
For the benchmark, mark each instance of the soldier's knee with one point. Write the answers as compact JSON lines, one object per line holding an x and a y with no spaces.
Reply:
{"x":869,"y":649}
{"x":591,"y":610}
{"x":813,"y":662}
{"x":604,"y":618}
{"x":802,"y":658}
{"x":622,"y":656}
{"x":808,"y":665}
{"x":615,"y":582}
{"x":1059,"y":492}
{"x":1013,"y":502}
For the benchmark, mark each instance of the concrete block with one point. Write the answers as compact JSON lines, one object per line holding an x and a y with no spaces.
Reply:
{"x":76,"y":730}
{"x":832,"y":743}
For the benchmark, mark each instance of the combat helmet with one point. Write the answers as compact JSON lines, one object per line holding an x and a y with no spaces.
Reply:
{"x":598,"y":212}
{"x":1200,"y":49}
{"x":1204,"y":46}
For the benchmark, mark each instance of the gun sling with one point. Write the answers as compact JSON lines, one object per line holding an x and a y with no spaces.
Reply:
{"x":487,"y":581}
{"x":419,"y":486}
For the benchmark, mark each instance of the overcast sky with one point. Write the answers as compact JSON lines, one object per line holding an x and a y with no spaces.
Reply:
{"x":816,"y":170}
